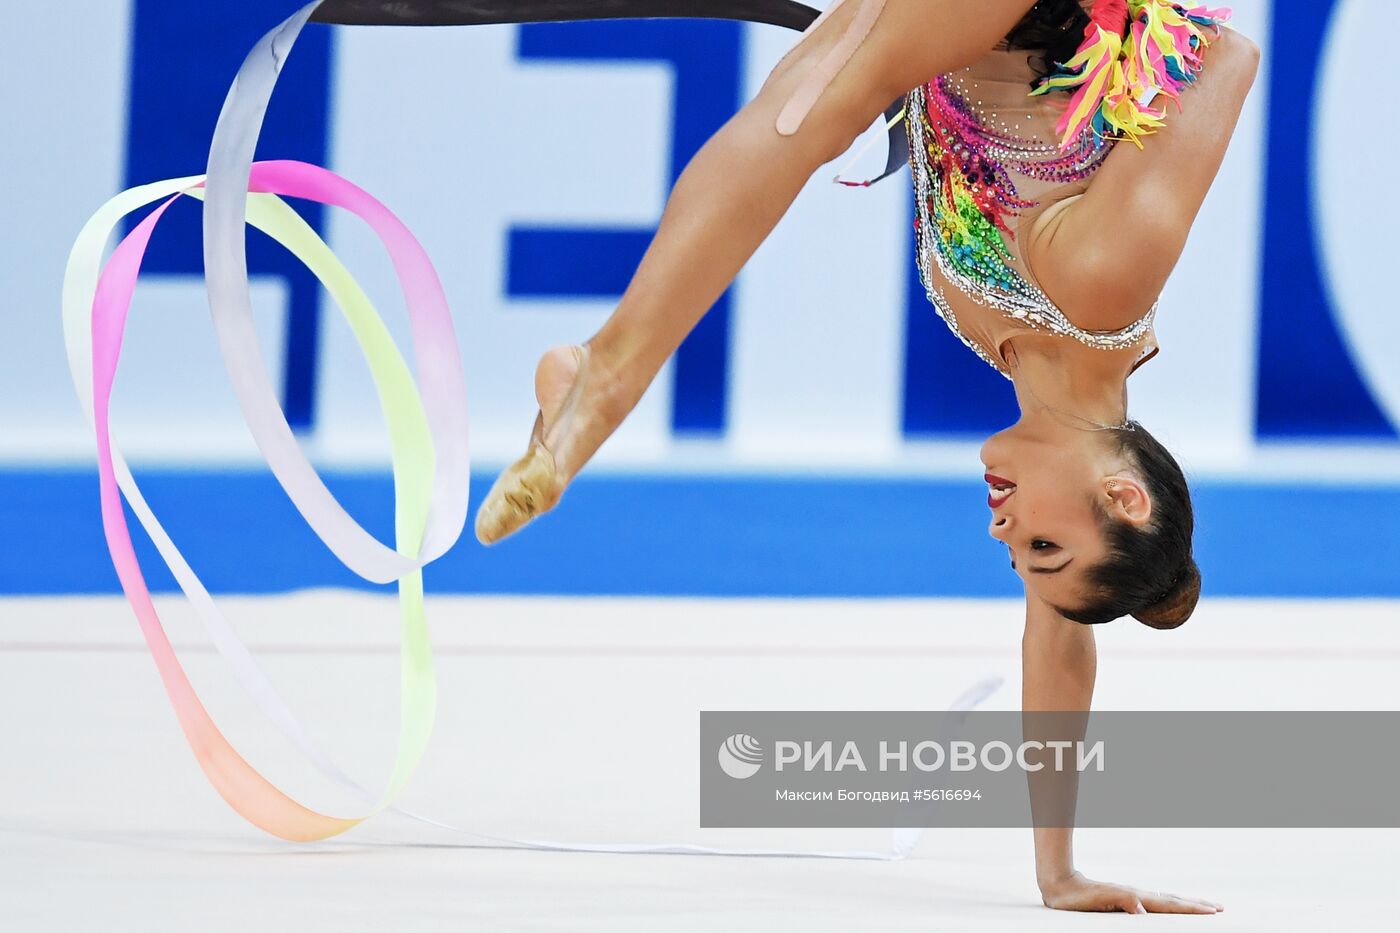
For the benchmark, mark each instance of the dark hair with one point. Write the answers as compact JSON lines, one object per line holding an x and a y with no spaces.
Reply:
{"x":1149,"y":572}
{"x":1053,"y":28}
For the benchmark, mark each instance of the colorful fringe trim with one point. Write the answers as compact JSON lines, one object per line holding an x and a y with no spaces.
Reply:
{"x":1134,"y":51}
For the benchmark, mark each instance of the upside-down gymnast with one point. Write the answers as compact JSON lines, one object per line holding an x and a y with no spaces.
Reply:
{"x":1047,"y":223}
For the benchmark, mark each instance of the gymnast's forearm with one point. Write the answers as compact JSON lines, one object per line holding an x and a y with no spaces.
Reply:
{"x":1059,"y":666}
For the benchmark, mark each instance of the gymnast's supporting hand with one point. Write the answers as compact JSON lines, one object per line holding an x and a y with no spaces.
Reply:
{"x":1058,"y":667}
{"x":726,"y":202}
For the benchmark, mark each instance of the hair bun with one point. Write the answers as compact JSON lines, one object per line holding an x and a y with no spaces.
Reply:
{"x":1176,"y":605}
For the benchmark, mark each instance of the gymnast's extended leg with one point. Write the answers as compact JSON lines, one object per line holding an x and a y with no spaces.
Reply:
{"x":725,"y":203}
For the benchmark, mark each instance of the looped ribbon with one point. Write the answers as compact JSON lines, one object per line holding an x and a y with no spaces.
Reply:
{"x":428,"y":441}
{"x":93,"y":356}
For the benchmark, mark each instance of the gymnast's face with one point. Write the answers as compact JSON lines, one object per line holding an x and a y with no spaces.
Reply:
{"x":1049,"y":498}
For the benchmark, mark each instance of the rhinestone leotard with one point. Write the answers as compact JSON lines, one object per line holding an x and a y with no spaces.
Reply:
{"x":990,"y":159}
{"x":986,"y":164}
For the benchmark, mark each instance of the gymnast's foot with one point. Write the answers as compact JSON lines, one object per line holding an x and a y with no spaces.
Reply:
{"x":581,"y":404}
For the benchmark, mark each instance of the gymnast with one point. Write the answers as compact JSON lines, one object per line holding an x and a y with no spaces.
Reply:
{"x":1060,"y":153}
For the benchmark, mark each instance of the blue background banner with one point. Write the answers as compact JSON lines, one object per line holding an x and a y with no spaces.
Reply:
{"x":816,"y":434}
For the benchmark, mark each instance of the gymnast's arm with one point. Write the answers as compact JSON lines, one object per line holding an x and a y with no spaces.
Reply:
{"x":1058,"y":667}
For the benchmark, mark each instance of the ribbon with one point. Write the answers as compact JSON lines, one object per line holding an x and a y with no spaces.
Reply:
{"x":428,"y":436}
{"x":93,"y":362}
{"x":434,"y":340}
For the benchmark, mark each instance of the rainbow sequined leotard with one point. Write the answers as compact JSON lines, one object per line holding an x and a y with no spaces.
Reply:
{"x":989,"y":157}
{"x":988,"y":160}
{"x":986,"y":165}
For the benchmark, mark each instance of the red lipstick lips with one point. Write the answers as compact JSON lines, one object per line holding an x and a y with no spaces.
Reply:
{"x":1002,"y":489}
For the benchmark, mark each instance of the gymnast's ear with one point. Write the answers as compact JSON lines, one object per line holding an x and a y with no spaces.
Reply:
{"x":1125,"y":499}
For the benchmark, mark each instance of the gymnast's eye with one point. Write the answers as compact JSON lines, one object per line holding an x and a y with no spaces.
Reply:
{"x":1040,"y":544}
